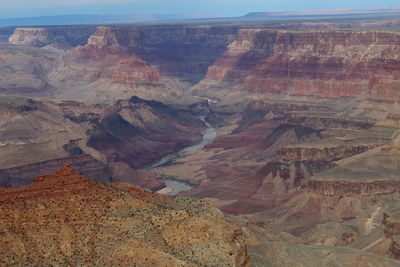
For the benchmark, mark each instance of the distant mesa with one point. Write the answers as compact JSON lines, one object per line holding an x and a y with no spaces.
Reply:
{"x":324,"y":12}
{"x":32,"y":36}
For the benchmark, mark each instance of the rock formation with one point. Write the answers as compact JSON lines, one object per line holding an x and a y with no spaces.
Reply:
{"x":326,"y":153}
{"x":67,"y":219}
{"x":109,"y":60}
{"x":313,"y":63}
{"x":103,"y":37}
{"x":32,"y":36}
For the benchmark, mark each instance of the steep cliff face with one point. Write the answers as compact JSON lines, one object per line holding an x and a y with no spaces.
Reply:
{"x":348,"y":188}
{"x":67,"y":219}
{"x":314,"y":63}
{"x":370,"y":173}
{"x":32,"y":36}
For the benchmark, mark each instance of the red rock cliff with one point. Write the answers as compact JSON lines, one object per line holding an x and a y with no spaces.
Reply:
{"x":320,"y":63}
{"x":105,"y":58}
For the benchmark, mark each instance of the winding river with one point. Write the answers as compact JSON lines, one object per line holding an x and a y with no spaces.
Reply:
{"x":174,"y":185}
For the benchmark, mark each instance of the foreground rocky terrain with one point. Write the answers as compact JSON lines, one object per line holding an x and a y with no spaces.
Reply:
{"x":67,"y":219}
{"x":305,"y":157}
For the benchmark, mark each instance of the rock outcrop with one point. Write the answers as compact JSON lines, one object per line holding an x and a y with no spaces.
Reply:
{"x":67,"y":219}
{"x":103,"y":37}
{"x":32,"y":36}
{"x":111,"y":61}
{"x":327,"y":153}
{"x":314,"y":63}
{"x":348,"y":188}
{"x":322,"y":122}
{"x":370,"y":173}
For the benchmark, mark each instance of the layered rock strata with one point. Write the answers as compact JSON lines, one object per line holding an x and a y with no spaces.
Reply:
{"x":112,"y":61}
{"x":329,"y":153}
{"x":314,"y":63}
{"x":347,"y":188}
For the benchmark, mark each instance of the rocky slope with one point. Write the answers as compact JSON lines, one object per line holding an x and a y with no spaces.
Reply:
{"x":25,"y":70}
{"x":313,"y":63}
{"x":67,"y":219}
{"x":331,"y":231}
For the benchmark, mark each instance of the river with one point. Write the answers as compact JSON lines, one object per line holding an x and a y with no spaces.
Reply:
{"x":174,"y":185}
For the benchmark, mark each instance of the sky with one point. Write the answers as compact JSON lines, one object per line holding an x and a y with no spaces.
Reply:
{"x":223,"y":8}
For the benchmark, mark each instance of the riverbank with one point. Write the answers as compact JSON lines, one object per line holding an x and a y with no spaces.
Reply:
{"x":175,"y":185}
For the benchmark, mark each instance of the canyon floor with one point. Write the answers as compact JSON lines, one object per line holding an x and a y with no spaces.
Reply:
{"x":278,"y":142}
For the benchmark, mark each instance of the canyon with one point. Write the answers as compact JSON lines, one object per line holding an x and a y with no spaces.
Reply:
{"x":281,"y":140}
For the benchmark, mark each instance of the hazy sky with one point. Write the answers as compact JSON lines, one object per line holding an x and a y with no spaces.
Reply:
{"x":23,"y":8}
